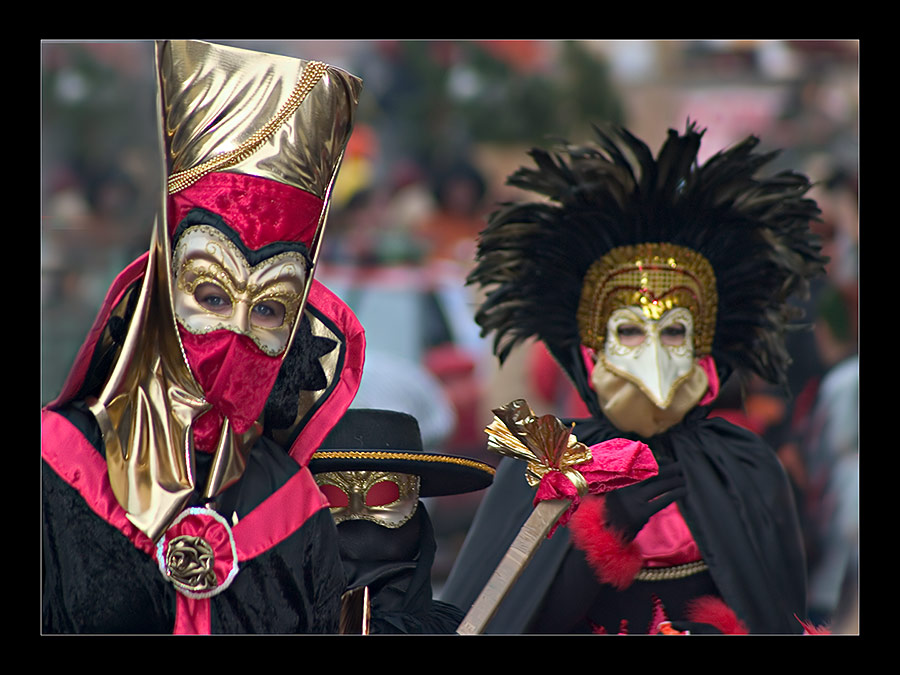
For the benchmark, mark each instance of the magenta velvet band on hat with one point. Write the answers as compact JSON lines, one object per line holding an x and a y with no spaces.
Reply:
{"x":260,"y":210}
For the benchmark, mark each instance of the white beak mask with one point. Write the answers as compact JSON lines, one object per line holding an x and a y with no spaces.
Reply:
{"x":655,"y":354}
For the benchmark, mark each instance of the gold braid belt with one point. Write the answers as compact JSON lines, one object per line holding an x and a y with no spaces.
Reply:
{"x":676,"y":572}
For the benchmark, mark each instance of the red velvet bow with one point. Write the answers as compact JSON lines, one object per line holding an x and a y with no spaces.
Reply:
{"x":613,"y":464}
{"x":559,"y":465}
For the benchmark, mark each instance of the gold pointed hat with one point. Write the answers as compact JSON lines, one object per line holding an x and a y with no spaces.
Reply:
{"x":242,"y":128}
{"x":256,"y":139}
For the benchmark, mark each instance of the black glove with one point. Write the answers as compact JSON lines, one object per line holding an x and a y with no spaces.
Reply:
{"x":628,"y":509}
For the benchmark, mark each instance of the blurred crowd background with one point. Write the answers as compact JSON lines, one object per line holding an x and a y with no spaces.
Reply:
{"x":440,"y":126}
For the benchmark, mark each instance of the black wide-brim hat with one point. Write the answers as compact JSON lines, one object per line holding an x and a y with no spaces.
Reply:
{"x":385,"y":440}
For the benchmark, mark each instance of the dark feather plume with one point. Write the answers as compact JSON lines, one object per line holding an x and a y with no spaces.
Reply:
{"x":532,"y":256}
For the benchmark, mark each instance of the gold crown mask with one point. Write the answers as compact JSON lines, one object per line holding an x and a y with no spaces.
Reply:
{"x":656,"y":277}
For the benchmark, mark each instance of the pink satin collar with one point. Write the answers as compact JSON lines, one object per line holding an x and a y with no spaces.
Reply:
{"x":76,"y":461}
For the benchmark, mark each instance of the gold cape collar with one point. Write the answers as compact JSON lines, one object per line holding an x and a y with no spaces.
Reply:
{"x":147,"y":408}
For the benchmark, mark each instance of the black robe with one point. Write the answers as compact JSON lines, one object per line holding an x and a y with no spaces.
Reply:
{"x":739,"y":508}
{"x":96,"y":581}
{"x":396,"y":566}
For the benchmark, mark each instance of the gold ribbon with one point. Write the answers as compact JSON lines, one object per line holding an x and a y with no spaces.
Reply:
{"x":544,"y":442}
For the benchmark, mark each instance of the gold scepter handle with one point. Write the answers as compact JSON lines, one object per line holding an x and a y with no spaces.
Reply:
{"x":516,"y":559}
{"x":355,"y":612}
{"x":547,"y":445}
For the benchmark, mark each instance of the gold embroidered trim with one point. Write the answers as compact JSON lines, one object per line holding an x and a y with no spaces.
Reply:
{"x":312,"y":73}
{"x":411,"y":456}
{"x":676,"y":572}
{"x":655,"y":277}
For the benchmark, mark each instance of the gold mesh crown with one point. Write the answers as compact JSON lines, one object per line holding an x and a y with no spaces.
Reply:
{"x":655,"y":277}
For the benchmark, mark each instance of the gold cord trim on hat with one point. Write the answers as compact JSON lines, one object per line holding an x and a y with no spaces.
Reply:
{"x":676,"y":572}
{"x":655,"y":277}
{"x":410,"y":456}
{"x":312,"y":73}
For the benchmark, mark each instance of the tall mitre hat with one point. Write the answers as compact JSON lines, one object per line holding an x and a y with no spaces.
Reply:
{"x":234,"y":118}
{"x":256,"y":140}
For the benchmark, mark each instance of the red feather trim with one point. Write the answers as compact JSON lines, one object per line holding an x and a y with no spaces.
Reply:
{"x":810,"y":629}
{"x":614,"y":561}
{"x":713,"y":611}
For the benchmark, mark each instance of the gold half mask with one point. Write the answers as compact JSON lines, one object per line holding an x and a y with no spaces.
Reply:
{"x":216,"y":288}
{"x":385,"y":498}
{"x":656,"y":277}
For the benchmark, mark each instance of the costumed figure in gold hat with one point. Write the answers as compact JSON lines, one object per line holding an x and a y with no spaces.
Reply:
{"x":651,"y":280}
{"x":176,"y":492}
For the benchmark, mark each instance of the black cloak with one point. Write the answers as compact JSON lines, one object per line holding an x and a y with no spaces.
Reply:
{"x":739,"y":508}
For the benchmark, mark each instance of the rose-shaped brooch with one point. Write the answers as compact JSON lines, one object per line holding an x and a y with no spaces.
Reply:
{"x":564,"y":470}
{"x":197,"y":553}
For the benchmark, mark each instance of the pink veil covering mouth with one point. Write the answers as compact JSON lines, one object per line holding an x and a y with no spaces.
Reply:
{"x":236,"y":376}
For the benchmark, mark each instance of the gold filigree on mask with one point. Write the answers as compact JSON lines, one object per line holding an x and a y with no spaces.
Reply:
{"x":260,"y":301}
{"x":650,"y":328}
{"x":355,"y":485}
{"x":657,"y":277}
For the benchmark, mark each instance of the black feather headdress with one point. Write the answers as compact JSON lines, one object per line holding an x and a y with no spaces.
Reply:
{"x":533,"y":257}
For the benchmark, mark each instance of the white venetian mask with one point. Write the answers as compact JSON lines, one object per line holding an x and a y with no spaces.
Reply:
{"x":216,"y":288}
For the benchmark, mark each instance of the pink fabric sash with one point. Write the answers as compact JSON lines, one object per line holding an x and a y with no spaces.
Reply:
{"x":666,"y":541}
{"x":78,"y":463}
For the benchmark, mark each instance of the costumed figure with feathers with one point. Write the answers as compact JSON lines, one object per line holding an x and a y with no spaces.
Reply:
{"x":651,"y":281}
{"x":176,"y":492}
